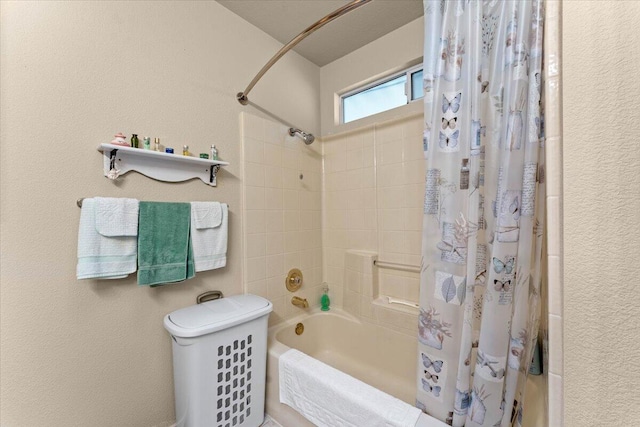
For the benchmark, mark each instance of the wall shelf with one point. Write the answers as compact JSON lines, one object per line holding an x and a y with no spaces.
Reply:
{"x":158,"y":165}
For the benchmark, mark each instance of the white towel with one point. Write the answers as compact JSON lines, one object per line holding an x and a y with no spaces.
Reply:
{"x":329,"y":397}
{"x":209,"y":231}
{"x":206,"y":214}
{"x":99,"y":256}
{"x":116,"y":216}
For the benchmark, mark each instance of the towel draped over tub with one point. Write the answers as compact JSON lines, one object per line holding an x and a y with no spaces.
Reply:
{"x":329,"y":397}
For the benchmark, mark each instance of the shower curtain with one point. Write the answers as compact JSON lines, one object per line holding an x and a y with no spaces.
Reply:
{"x":483,"y":208}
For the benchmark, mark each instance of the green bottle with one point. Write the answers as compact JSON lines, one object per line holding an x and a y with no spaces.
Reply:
{"x":324,"y":300}
{"x":134,"y":141}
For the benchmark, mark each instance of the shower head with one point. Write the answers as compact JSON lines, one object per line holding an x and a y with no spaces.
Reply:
{"x":306,"y":137}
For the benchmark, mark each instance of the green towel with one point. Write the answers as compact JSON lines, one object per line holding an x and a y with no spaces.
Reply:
{"x":164,"y":243}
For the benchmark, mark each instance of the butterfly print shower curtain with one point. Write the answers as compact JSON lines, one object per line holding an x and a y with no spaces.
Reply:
{"x":483,"y":209}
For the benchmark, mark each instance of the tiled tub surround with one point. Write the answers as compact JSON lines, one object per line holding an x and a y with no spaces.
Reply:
{"x":281,"y":214}
{"x":364,"y":298}
{"x":554,"y":225}
{"x":373,"y":192}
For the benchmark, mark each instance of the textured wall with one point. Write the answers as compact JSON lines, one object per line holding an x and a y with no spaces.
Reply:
{"x":74,"y":73}
{"x":601,"y":99}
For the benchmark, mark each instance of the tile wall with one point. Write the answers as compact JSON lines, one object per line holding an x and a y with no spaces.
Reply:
{"x":363,"y":298}
{"x":281,"y":183}
{"x":373,"y":182}
{"x":553,"y":132}
{"x":374,"y":187}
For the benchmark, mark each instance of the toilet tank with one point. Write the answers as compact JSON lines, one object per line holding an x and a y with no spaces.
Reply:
{"x":219,"y":361}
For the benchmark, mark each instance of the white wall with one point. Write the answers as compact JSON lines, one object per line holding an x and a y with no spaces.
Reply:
{"x":73,"y":74}
{"x":601,"y":97}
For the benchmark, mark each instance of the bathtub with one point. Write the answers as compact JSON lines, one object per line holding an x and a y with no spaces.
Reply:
{"x":354,"y":347}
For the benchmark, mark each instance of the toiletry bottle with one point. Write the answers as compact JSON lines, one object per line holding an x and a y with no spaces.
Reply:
{"x":134,"y":141}
{"x":464,"y":175}
{"x":146,"y":142}
{"x":536,"y":364}
{"x":214,"y":153}
{"x":185,"y":150}
{"x":324,"y":300}
{"x":156,"y":141}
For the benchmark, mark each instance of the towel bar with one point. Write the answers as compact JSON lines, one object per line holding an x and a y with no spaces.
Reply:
{"x":397,"y":266}
{"x":79,"y":202}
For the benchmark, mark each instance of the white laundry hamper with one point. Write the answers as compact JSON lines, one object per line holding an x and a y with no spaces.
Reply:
{"x":219,"y":361}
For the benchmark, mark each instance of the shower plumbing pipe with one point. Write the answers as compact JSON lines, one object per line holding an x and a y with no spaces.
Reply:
{"x":242,"y":97}
{"x":293,"y":131}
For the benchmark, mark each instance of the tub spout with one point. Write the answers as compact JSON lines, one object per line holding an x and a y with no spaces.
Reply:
{"x":300,"y":302}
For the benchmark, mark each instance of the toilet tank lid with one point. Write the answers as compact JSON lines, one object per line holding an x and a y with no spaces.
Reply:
{"x":216,"y":315}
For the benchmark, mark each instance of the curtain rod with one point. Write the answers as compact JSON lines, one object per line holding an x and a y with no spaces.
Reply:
{"x":242,"y":97}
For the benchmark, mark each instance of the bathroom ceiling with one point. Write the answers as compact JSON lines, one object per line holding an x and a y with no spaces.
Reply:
{"x":285,"y":19}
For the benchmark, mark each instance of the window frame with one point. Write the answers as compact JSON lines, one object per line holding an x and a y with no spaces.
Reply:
{"x":408,"y":90}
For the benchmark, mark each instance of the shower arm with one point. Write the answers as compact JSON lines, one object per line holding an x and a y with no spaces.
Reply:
{"x":242,"y":97}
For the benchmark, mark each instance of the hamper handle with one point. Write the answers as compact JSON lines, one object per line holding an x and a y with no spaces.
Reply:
{"x":209,"y":296}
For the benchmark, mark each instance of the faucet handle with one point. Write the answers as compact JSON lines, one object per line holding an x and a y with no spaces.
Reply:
{"x":294,"y":280}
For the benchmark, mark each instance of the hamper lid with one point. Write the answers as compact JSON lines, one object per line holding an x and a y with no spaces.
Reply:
{"x":216,"y":315}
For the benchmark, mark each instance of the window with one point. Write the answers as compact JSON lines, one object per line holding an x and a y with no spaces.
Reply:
{"x":417,"y":89}
{"x":382,"y":95}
